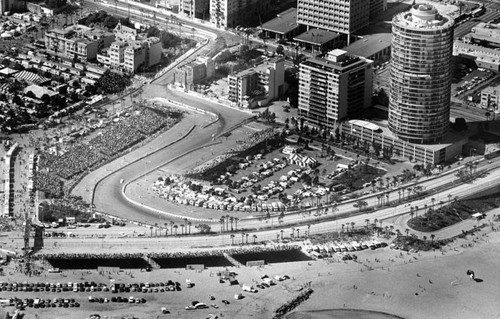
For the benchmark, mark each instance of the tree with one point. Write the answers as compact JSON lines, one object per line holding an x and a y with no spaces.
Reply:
{"x":432,"y":238}
{"x":407,"y":231}
{"x":31,"y":95}
{"x":63,"y":90}
{"x":110,"y":22}
{"x":204,"y":228}
{"x":254,"y":238}
{"x":232,"y":239}
{"x":280,"y":50}
{"x":17,"y":100}
{"x":361,"y":205}
{"x":487,"y":114}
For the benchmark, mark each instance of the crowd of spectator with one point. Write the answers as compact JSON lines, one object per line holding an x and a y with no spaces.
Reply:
{"x":292,"y":304}
{"x":90,"y":256}
{"x":82,"y":156}
{"x":52,"y":184}
{"x":221,"y":252}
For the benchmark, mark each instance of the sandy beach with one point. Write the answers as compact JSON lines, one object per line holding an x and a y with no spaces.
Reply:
{"x":408,"y":285}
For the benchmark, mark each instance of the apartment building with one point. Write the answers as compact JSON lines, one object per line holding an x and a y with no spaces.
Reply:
{"x":231,"y":13}
{"x":195,"y":8}
{"x":334,"y":88}
{"x":490,"y":98}
{"x":129,"y":56}
{"x":77,"y":42}
{"x":258,"y":85}
{"x":193,"y":72}
{"x":419,"y":95}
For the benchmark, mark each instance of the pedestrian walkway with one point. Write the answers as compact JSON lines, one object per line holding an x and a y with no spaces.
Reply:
{"x":232,"y":260}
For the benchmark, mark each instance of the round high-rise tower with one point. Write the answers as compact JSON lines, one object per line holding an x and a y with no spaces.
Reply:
{"x":422,"y":44}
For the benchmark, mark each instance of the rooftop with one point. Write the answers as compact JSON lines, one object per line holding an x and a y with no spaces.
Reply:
{"x":495,"y":90}
{"x":370,"y":44}
{"x":285,"y":22}
{"x":423,"y":16}
{"x":486,"y":31}
{"x":317,"y":36}
{"x":259,"y":67}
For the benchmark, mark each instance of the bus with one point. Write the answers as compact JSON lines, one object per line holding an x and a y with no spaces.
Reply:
{"x":478,"y":12}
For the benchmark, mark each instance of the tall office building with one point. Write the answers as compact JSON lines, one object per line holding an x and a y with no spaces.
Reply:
{"x":422,"y":43}
{"x":333,"y":88}
{"x":342,"y":16}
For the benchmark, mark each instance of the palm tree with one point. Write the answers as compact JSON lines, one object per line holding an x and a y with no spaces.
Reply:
{"x":242,"y":237}
{"x":232,"y":239}
{"x":277,"y":236}
{"x":297,"y":229}
{"x":432,"y":238}
{"x":231,"y":219}
{"x":281,"y":231}
{"x":189,"y":227}
{"x":293,"y":232}
{"x":171,"y":225}
{"x":247,"y":237}
{"x":424,"y":238}
{"x":398,"y":233}
{"x":416,"y":211}
{"x":449,"y":199}
{"x":441,"y":204}
{"x":308,"y":230}
{"x":342,"y":227}
{"x":175,"y":227}
{"x":425,"y":208}
{"x":222,"y":221}
{"x":407,"y":231}
{"x":236,"y":223}
{"x":411,"y":212}
{"x":166,"y":229}
{"x":352,"y":226}
{"x":227,"y":222}
{"x":433,"y":200}
{"x":254,"y":238}
{"x":182,"y":229}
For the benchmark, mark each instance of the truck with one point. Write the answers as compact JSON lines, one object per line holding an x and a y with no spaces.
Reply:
{"x":248,"y":288}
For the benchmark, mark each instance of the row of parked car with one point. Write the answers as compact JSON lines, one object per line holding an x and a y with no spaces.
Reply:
{"x":117,"y":299}
{"x":90,"y":287}
{"x":44,"y":303}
